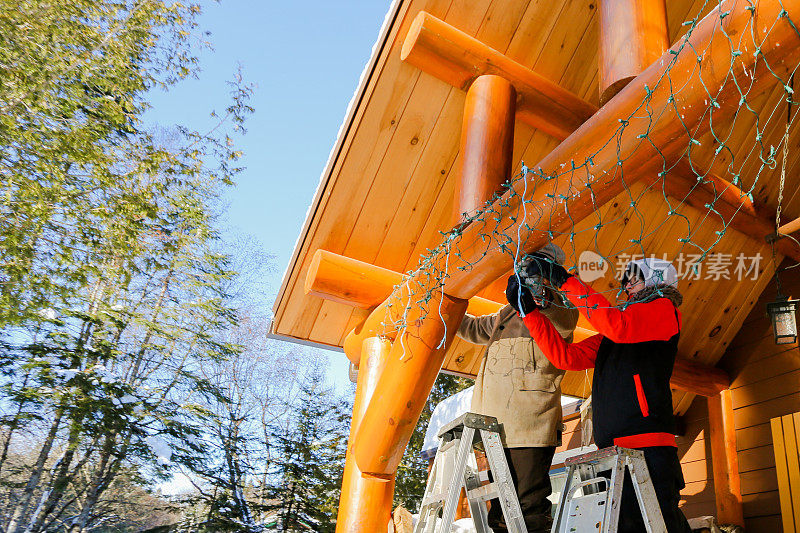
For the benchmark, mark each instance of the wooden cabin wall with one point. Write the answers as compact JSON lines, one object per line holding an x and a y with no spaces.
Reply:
{"x":571,"y":437}
{"x":765,"y":384}
{"x":694,"y":451}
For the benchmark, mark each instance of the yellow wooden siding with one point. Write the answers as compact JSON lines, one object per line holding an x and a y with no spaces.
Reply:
{"x":785,"y":441}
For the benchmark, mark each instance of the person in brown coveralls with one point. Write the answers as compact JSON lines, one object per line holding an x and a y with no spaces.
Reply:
{"x":519,"y":386}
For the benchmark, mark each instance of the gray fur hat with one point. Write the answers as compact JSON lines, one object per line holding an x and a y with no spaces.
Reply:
{"x":552,"y":252}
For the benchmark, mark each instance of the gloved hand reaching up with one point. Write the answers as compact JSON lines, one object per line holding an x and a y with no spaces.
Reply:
{"x":520,"y":297}
{"x":537,"y":265}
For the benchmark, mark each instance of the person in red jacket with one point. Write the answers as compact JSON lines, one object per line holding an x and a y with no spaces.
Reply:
{"x":632,"y":355}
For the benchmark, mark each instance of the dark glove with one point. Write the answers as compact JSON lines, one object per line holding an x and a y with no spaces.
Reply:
{"x":520,"y":298}
{"x":536,"y":265}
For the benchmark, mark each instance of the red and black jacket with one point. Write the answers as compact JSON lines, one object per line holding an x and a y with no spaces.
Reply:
{"x":632,"y":354}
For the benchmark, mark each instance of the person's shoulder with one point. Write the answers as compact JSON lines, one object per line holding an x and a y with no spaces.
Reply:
{"x":660,"y":304}
{"x":664,"y":301}
{"x":506,"y":312}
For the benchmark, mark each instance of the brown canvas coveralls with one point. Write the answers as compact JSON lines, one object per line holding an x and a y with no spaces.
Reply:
{"x":519,"y":386}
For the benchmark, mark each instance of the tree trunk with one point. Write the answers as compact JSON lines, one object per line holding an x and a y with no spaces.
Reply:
{"x":101,"y":480}
{"x":235,"y":470}
{"x":159,"y":304}
{"x":21,"y":509}
{"x":12,"y":426}
{"x":61,"y":478}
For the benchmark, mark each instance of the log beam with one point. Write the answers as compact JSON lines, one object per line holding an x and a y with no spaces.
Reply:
{"x":366,"y":502}
{"x":345,"y":280}
{"x":733,"y":207}
{"x":724,"y":460}
{"x":633,"y":35}
{"x":786,"y":230}
{"x":332,"y":279}
{"x":349,"y":281}
{"x":698,"y":379}
{"x":458,"y":59}
{"x":789,"y":227}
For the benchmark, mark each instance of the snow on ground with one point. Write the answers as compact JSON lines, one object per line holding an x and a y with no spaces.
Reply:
{"x":179,"y":484}
{"x":463,"y":525}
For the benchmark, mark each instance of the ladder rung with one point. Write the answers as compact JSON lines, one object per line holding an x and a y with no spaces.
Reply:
{"x":471,"y":420}
{"x":437,"y":498}
{"x":484,"y":492}
{"x":449,"y":444}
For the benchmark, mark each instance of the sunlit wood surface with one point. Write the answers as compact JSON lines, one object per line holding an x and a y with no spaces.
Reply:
{"x":390,"y":183}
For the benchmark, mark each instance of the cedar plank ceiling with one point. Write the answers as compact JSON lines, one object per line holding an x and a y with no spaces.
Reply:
{"x":388,"y":188}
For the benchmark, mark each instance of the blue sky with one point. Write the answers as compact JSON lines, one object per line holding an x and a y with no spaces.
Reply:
{"x":305,"y":59}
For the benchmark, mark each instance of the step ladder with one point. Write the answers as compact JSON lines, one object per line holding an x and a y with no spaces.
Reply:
{"x":597,"y":507}
{"x":455,"y":467}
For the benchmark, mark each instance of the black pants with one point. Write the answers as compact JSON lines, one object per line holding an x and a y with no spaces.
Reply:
{"x":665,"y":471}
{"x":530,"y":471}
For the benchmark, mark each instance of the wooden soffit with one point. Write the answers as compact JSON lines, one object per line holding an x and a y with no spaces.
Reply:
{"x":387,"y":189}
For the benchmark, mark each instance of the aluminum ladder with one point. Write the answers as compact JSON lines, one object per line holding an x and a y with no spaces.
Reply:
{"x":597,"y":507}
{"x":454,"y":467}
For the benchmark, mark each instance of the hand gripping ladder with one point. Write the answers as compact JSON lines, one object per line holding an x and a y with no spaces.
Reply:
{"x":590,"y":511}
{"x":454,"y":467}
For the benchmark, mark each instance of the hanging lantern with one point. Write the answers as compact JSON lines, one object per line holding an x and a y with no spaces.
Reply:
{"x":784,"y":321}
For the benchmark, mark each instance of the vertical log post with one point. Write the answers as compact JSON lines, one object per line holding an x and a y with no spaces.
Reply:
{"x":366,"y":502}
{"x":415,"y":359}
{"x":487,"y":130}
{"x":487,"y":143}
{"x":633,"y":35}
{"x":724,"y":460}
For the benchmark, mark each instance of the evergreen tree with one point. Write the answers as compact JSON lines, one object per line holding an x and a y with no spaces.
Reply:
{"x":111,"y":377}
{"x":74,"y":158}
{"x":412,"y":474}
{"x":113,"y":291}
{"x":309,"y":459}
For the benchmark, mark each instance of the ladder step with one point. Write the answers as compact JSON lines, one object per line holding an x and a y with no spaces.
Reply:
{"x":585,"y":506}
{"x":454,"y":469}
{"x":600,"y":455}
{"x":471,"y":420}
{"x":484,"y":493}
{"x":437,"y":498}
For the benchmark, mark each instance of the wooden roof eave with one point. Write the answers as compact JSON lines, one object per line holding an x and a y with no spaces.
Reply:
{"x":328,"y":324}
